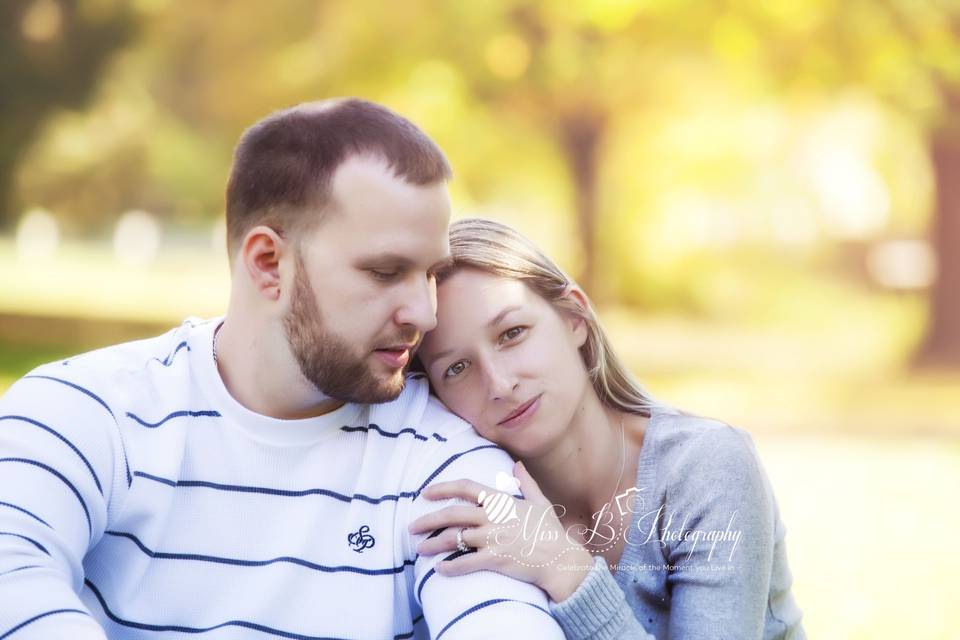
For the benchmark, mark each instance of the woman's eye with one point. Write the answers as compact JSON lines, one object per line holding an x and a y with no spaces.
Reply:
{"x":455,"y":369}
{"x":512,"y":333}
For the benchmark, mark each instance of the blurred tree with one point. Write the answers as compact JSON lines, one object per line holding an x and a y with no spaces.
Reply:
{"x":517,"y":89}
{"x":51,"y":54}
{"x":906,"y":53}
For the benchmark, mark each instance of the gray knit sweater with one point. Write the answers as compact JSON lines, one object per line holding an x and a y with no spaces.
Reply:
{"x":705,"y":554}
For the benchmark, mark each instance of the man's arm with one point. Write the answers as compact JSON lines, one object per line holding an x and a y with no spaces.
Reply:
{"x":485,"y":603}
{"x":61,"y":463}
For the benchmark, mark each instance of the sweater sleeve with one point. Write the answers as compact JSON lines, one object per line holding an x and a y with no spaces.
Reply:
{"x":482,"y":604}
{"x":60,"y":462}
{"x":598,"y":609}
{"x":719,"y":542}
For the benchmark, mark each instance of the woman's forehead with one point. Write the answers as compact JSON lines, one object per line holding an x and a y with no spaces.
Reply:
{"x":480,"y":292}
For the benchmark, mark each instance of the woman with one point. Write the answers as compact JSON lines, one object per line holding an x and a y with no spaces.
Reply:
{"x":643,"y":521}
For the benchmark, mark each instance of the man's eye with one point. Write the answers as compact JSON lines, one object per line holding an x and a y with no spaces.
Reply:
{"x":384,"y":276}
{"x":455,"y":369}
{"x":512,"y":333}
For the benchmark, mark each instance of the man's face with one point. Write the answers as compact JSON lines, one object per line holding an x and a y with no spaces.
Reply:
{"x":363,"y":291}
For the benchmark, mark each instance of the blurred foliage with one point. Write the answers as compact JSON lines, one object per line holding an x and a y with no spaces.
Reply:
{"x":52,"y":52}
{"x":626,"y":137}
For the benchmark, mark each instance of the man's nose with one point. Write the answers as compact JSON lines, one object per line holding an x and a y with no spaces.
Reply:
{"x":419,"y":305}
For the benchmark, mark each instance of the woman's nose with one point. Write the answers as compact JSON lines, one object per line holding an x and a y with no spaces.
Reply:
{"x":501,"y":383}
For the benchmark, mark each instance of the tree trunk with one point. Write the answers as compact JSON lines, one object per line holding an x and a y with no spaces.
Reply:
{"x":581,"y":134}
{"x":941,"y":347}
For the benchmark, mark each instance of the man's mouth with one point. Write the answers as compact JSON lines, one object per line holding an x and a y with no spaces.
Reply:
{"x":395,"y":356}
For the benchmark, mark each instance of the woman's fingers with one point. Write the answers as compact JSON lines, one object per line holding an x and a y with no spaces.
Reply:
{"x":446,"y":541}
{"x":529,"y":487}
{"x":457,"y":515}
{"x":468,"y":563}
{"x":464,"y":488}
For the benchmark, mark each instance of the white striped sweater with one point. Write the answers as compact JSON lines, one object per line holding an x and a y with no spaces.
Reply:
{"x":138,"y":499}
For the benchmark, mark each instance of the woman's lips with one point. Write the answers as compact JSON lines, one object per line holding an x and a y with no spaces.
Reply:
{"x":525,"y":412}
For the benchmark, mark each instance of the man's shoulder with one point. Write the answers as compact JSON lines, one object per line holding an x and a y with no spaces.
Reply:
{"x":417,"y":409}
{"x":113,"y":366}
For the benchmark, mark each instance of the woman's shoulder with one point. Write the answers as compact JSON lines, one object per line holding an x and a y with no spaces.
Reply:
{"x":688,"y":445}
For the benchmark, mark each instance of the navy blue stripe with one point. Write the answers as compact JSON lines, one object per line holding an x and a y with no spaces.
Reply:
{"x":148,"y":476}
{"x":80,"y":389}
{"x":126,"y":465}
{"x":64,"y":439}
{"x":449,"y":460}
{"x":59,"y":475}
{"x":169,"y":359}
{"x":234,"y":623}
{"x":30,"y":540}
{"x":99,"y":400}
{"x":160,"y":555}
{"x":29,"y":566}
{"x":391,"y":434}
{"x":29,"y":513}
{"x":483,"y":605}
{"x":452,"y":556}
{"x":175,"y":414}
{"x":37,"y":617}
{"x":423,"y":581}
{"x":277,"y":492}
{"x":306,"y":492}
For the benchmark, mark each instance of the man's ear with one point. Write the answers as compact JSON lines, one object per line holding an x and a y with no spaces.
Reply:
{"x":579,"y":298}
{"x":261,"y":253}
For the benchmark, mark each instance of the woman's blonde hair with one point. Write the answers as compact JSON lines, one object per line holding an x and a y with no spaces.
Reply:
{"x":500,"y":250}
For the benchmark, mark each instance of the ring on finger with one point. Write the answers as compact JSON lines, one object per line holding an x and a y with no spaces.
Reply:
{"x":461,"y":545}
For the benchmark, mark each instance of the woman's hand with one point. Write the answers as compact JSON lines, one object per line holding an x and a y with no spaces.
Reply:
{"x":533,"y":546}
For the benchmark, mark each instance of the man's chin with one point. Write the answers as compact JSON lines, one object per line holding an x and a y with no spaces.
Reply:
{"x":388,"y":391}
{"x":387,"y":387}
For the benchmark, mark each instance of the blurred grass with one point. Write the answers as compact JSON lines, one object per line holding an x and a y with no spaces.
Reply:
{"x":863,"y":453}
{"x":84,"y":281}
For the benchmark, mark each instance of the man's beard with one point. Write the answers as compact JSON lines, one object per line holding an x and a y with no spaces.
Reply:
{"x":327,"y":360}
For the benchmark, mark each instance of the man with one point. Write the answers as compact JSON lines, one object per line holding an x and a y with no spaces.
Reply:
{"x":254,"y":477}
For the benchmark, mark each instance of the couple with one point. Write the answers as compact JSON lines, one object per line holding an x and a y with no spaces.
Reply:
{"x":279,"y":473}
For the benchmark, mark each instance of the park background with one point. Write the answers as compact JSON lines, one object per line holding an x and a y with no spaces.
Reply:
{"x":762,"y":199}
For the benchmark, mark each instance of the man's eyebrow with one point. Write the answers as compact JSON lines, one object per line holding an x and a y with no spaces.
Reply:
{"x":405,"y":261}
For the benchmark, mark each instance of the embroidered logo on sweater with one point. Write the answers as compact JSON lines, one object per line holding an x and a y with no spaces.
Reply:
{"x":361,"y":539}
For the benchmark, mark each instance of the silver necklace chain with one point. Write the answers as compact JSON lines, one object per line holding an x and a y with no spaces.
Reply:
{"x":215,"y":333}
{"x":623,"y":460}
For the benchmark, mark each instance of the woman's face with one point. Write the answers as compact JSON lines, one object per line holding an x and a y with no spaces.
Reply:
{"x":503,"y":359}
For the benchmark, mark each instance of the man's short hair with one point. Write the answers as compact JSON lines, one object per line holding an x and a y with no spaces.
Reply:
{"x":284,"y":164}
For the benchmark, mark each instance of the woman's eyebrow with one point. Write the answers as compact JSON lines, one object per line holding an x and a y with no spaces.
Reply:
{"x":503,"y":313}
{"x":497,"y":318}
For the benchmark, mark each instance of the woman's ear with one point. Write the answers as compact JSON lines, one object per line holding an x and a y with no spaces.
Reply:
{"x":261,"y":252}
{"x":579,"y":325}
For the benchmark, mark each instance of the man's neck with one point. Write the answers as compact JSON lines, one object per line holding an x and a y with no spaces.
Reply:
{"x":259,"y":371}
